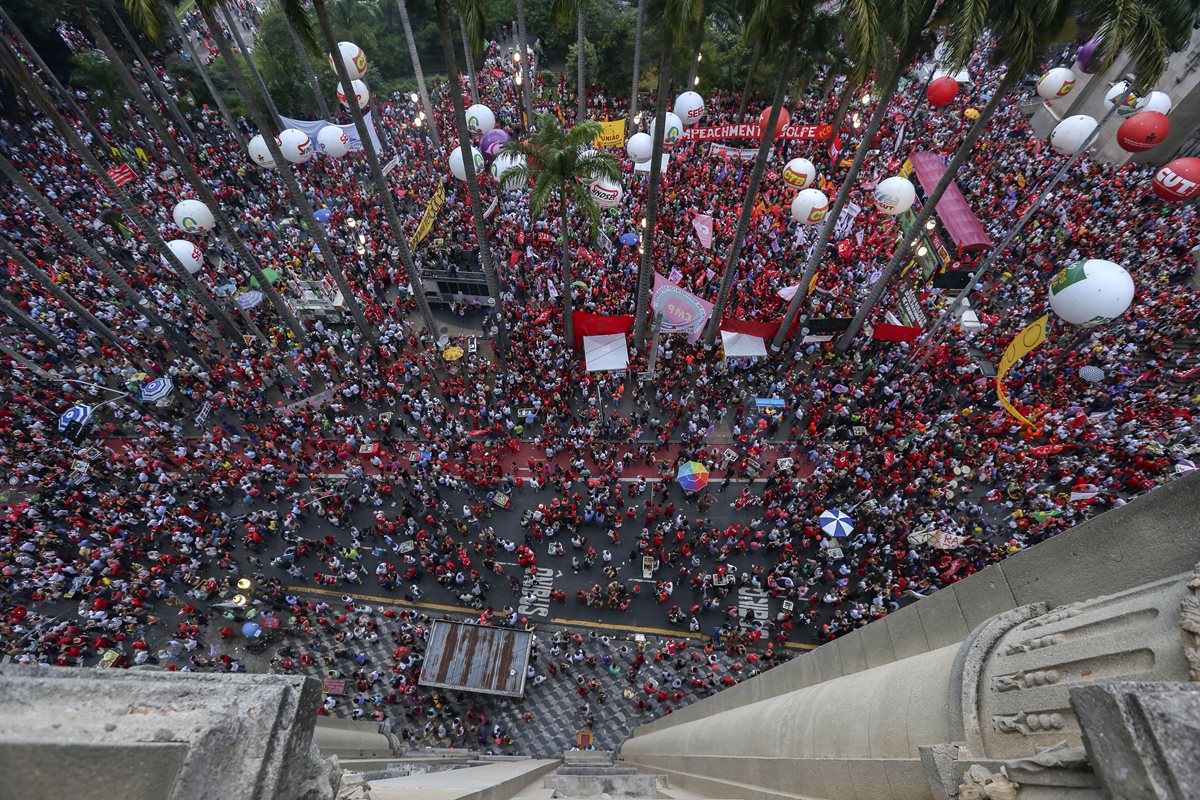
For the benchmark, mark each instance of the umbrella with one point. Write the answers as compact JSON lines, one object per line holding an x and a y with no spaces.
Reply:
{"x":836,"y":523}
{"x":225,"y":289}
{"x":693,"y":476}
{"x":580,"y":285}
{"x":251,"y":629}
{"x":271,"y":623}
{"x":157,"y":389}
{"x":249,"y":300}
{"x":271,"y":275}
{"x":841,"y":388}
{"x":80,"y":415}
{"x":1091,"y":374}
{"x":629,"y":239}
{"x":453,"y":353}
{"x":1184,"y":466}
{"x":322,"y":214}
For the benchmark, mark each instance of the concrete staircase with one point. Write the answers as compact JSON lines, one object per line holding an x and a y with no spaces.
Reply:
{"x":591,"y":773}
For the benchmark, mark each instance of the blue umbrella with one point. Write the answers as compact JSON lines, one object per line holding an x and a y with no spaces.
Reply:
{"x":249,"y":300}
{"x":251,"y":629}
{"x":836,"y":524}
{"x":629,"y":239}
{"x":75,"y":414}
{"x":322,"y":215}
{"x":157,"y":389}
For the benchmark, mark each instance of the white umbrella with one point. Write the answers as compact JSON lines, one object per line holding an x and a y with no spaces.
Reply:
{"x":80,"y":414}
{"x":157,"y":389}
{"x":836,"y":524}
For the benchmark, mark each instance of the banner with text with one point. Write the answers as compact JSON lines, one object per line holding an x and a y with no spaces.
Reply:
{"x":754,"y":131}
{"x":312,"y":127}
{"x":431,"y":211}
{"x":612,"y":134}
{"x":721,"y":151}
{"x":1028,"y":339}
{"x":682,"y":311}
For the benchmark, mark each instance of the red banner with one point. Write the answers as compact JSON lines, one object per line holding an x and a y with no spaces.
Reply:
{"x":754,"y":131}
{"x":896,"y":333}
{"x":122,"y":175}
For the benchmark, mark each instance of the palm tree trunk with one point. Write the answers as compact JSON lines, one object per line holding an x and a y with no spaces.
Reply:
{"x":526,"y":68}
{"x":755,"y":56}
{"x":766,"y":142}
{"x":310,"y":76}
{"x":476,"y":201}
{"x":236,"y":33}
{"x":830,"y":224}
{"x":297,"y":195}
{"x":131,"y":209}
{"x":156,"y":85}
{"x":998,"y":250}
{"x":568,"y":321}
{"x":843,"y":107}
{"x":88,"y":319}
{"x":27,"y":322}
{"x":637,"y":68}
{"x":646,"y":263}
{"x":158,"y":327}
{"x":377,"y":176}
{"x":905,"y":244}
{"x":469,"y":60}
{"x":695,"y":67}
{"x":48,"y":76}
{"x":416,"y":62}
{"x":580,"y":64}
{"x":190,"y":47}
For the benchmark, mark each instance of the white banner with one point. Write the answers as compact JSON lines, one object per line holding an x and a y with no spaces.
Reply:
{"x":744,"y":153}
{"x":845,"y":222}
{"x":311,"y":127}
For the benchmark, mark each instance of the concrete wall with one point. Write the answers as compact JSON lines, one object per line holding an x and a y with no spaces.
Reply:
{"x":1153,"y":537}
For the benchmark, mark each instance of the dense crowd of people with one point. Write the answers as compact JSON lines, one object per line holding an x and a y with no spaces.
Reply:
{"x":130,"y":541}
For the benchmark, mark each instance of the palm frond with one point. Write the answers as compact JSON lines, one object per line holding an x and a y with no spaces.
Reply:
{"x":863,"y":34}
{"x":298,"y":19}
{"x":475,"y":21}
{"x":539,"y":196}
{"x":147,"y":15}
{"x":583,"y":202}
{"x":967,"y":24}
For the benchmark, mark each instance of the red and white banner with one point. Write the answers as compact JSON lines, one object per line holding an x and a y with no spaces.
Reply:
{"x":122,"y":175}
{"x":721,"y":151}
{"x":703,"y":223}
{"x":754,"y":131}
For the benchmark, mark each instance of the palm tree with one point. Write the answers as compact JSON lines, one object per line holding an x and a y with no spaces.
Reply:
{"x":416,"y":63}
{"x":526,"y":70}
{"x":199,"y":185}
{"x":472,"y":13}
{"x":568,"y":12}
{"x":190,"y":48}
{"x":765,"y":25}
{"x":378,"y":178}
{"x":890,"y":47}
{"x":310,"y":76}
{"x":676,"y":18}
{"x":248,"y":57}
{"x":468,"y":60}
{"x":555,"y":162}
{"x":158,"y":327}
{"x":1022,"y":29}
{"x":41,"y":100}
{"x":637,"y":68}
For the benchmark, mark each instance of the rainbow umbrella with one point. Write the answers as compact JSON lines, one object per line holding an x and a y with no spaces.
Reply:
{"x":693,"y":476}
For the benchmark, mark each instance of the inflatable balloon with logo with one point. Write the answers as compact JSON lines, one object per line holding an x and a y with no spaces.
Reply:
{"x":458,"y":169}
{"x":799,"y":173}
{"x":1091,"y":292}
{"x":192,"y":216}
{"x":606,"y":193}
{"x":689,"y":107}
{"x":295,"y":146}
{"x":361,"y":93}
{"x":672,"y":130}
{"x":1178,"y":180}
{"x":1070,"y":134}
{"x":354,"y":59}
{"x":810,"y":206}
{"x":895,"y":195}
{"x":480,"y":118}
{"x":259,"y":153}
{"x":333,"y":141}
{"x":501,"y":165}
{"x":640,"y":147}
{"x":188,"y":254}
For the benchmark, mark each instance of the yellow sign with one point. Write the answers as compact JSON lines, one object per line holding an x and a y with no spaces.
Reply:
{"x":1024,"y":343}
{"x":431,"y":211}
{"x":141,"y":154}
{"x":612,"y":134}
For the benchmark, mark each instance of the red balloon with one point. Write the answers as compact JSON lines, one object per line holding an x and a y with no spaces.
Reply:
{"x":1143,"y":131}
{"x":785,"y":119}
{"x":942,"y":91}
{"x":1179,"y":180}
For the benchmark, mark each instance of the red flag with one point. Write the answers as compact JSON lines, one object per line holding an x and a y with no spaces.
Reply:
{"x":122,"y":175}
{"x":835,"y":148}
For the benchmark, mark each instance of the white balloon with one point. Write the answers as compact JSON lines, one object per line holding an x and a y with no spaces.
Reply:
{"x":1091,"y":292}
{"x":810,"y":206}
{"x":192,"y":216}
{"x":1128,"y":107}
{"x":295,"y":145}
{"x":333,"y":141}
{"x":673,"y":129}
{"x":1070,"y":134}
{"x":895,"y":195}
{"x":1056,"y":83}
{"x":1155,"y":101}
{"x":799,"y":173}
{"x":502,"y":164}
{"x":480,"y":118}
{"x":188,"y":254}
{"x":458,"y":169}
{"x":640,"y":147}
{"x":361,"y":93}
{"x":606,"y":193}
{"x":689,"y":107}
{"x":259,"y":153}
{"x":354,"y":59}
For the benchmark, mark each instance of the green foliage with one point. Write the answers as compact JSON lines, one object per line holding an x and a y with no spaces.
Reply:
{"x":91,"y":72}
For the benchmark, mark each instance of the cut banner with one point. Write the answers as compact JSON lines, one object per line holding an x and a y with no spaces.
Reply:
{"x":1024,"y":342}
{"x":703,"y":224}
{"x":612,"y":134}
{"x":431,"y":211}
{"x":682,"y":311}
{"x":754,"y":131}
{"x":312,"y":127}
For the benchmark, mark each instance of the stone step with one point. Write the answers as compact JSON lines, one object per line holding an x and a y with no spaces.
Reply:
{"x":638,"y":785}
{"x":595,"y":769}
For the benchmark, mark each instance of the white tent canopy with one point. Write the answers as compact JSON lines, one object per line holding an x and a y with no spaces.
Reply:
{"x":742,"y":345}
{"x":605,"y":353}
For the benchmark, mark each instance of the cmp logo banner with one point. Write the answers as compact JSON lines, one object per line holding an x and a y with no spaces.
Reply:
{"x":682,"y":311}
